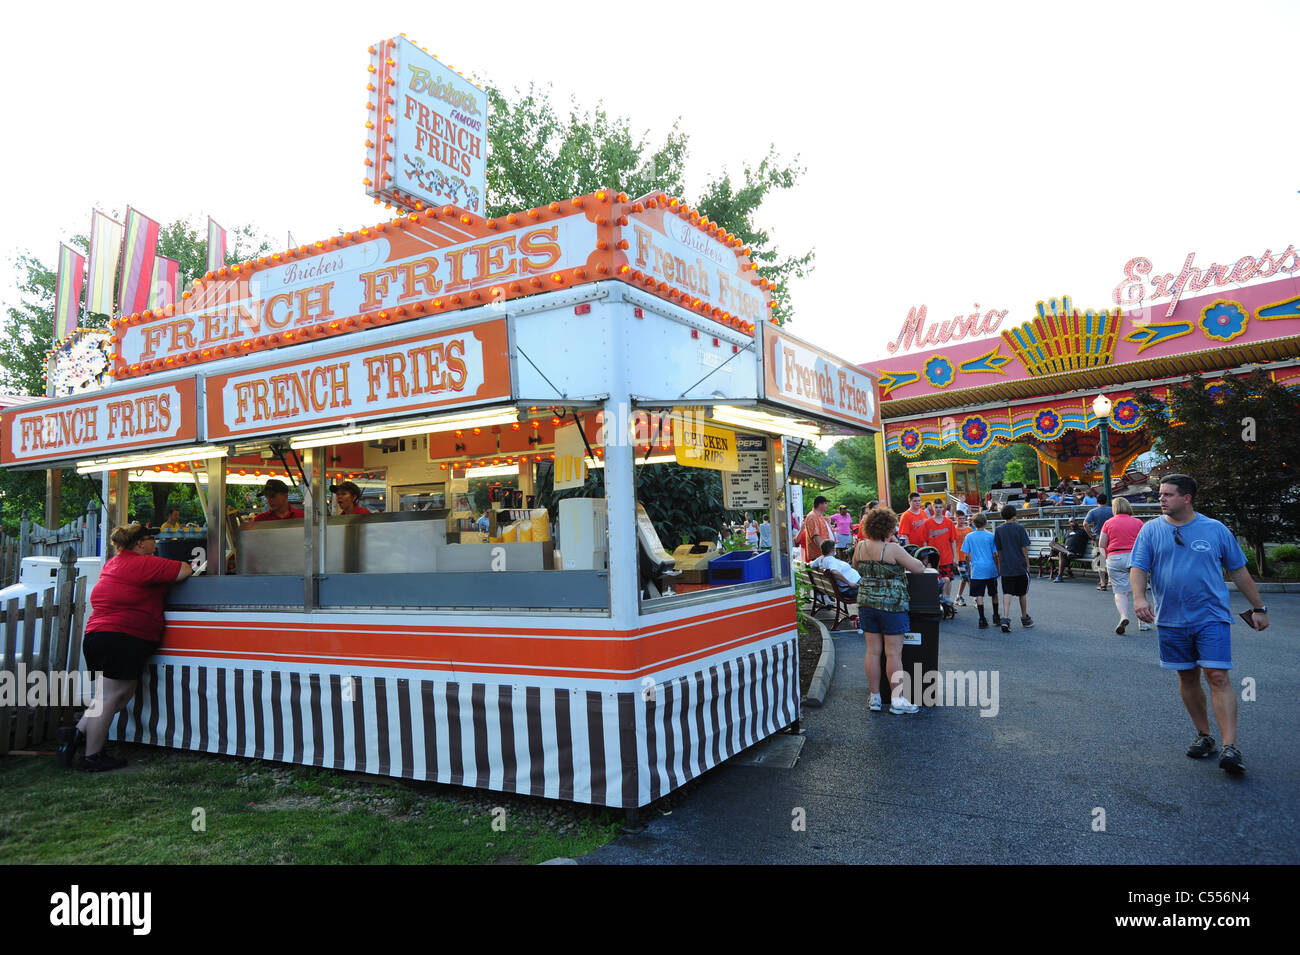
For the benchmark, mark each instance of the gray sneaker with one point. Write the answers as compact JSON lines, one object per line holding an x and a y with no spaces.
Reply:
{"x":1230,"y":761}
{"x":1203,"y":746}
{"x":1026,"y":621}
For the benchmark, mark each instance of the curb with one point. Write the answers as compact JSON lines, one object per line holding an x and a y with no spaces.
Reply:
{"x":825,"y":671}
{"x":1271,"y":587}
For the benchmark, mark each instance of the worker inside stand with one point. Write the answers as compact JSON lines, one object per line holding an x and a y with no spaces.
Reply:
{"x":278,"y":507}
{"x":173,"y":522}
{"x":346,"y":495}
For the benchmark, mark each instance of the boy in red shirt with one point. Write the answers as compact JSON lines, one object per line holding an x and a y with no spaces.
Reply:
{"x":941,"y":534}
{"x":911,"y":524}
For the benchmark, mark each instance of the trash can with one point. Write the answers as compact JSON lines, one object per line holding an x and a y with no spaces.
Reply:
{"x":921,"y":643}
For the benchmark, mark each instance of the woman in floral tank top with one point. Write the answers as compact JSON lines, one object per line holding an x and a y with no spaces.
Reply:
{"x":883,"y":602}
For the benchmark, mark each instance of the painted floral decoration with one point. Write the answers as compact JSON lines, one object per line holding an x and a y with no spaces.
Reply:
{"x":938,"y":371}
{"x":1224,"y":321}
{"x":1047,"y":423}
{"x":909,"y":442}
{"x":1126,"y":413}
{"x":975,"y":432}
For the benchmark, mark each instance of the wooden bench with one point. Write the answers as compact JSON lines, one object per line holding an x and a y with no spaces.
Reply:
{"x":1048,"y":556}
{"x":827,"y":594}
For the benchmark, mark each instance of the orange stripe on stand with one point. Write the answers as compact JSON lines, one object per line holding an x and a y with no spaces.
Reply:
{"x":613,"y":653}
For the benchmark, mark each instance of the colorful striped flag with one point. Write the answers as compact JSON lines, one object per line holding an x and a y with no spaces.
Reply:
{"x":166,"y":277}
{"x":216,"y":246}
{"x":137,"y":261}
{"x":105,"y":247}
{"x":67,"y":293}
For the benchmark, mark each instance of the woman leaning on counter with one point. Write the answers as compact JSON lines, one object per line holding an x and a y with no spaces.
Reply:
{"x":125,"y":628}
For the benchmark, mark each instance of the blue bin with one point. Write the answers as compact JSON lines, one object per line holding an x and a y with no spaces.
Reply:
{"x":740,"y":566}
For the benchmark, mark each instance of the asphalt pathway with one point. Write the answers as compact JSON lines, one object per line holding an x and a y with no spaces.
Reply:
{"x":1082,"y":763}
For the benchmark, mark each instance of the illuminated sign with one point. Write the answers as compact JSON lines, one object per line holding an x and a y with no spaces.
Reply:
{"x":442,"y":260}
{"x":392,"y":274}
{"x":81,"y":363}
{"x":700,"y":445}
{"x":112,"y":420}
{"x":915,"y":334}
{"x":664,"y":249}
{"x":459,"y":366}
{"x":1138,"y":274}
{"x":805,"y":378}
{"x":426,"y":131}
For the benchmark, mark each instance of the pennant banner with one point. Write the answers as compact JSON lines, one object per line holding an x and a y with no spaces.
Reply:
{"x":166,"y":278}
{"x":67,"y":294}
{"x":105,"y":247}
{"x":216,"y":246}
{"x":137,"y":261}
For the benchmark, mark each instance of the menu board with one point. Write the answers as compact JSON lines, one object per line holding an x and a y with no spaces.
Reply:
{"x":749,"y":487}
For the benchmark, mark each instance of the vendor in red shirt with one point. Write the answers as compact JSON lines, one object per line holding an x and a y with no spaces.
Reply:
{"x":278,"y":507}
{"x":346,"y":494}
{"x":911,"y":524}
{"x":125,"y":627}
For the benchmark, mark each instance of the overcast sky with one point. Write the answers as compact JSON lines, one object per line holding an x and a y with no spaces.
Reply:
{"x":956,"y":153}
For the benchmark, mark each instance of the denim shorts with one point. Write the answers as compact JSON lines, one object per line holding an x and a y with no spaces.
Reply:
{"x":1204,"y":645}
{"x":871,"y":620}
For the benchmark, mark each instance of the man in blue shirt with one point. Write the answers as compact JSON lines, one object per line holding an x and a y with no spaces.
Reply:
{"x":1185,"y":554}
{"x":980,"y":550}
{"x":1098,"y":516}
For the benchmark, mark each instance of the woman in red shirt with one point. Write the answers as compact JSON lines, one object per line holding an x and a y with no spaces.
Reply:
{"x":125,"y":627}
{"x":1116,"y":543}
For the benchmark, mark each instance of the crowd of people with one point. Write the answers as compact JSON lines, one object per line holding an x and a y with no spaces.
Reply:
{"x":1182,"y":556}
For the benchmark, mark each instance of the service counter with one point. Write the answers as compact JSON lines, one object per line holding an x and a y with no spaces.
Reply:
{"x":502,"y":592}
{"x":405,"y":542}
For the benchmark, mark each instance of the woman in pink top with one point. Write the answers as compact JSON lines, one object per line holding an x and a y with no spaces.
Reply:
{"x":1116,"y":543}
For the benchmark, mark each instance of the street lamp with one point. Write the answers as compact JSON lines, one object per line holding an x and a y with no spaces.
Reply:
{"x":1101,"y":409}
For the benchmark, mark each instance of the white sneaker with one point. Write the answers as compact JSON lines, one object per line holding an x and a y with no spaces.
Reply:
{"x":899,"y":705}
{"x":961,"y":601}
{"x":873,"y":704}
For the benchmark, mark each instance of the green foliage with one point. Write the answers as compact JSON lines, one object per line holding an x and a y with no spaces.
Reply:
{"x":1289,"y":553}
{"x":538,"y":154}
{"x":854,"y":495}
{"x":995,"y":463}
{"x":1241,"y":442}
{"x":683,"y":503}
{"x":853,"y":460}
{"x":1015,"y":472}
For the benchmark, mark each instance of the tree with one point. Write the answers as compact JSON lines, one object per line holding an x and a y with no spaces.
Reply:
{"x":1240,"y":439}
{"x":1015,"y":472}
{"x":536,"y":156}
{"x":26,"y":341}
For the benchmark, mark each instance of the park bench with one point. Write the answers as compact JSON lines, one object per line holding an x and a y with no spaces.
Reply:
{"x":827,"y":595}
{"x":1087,"y":560}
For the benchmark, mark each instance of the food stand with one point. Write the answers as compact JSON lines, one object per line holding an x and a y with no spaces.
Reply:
{"x":549,"y":657}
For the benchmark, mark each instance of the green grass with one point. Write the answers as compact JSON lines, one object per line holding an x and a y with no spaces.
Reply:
{"x":262,"y":813}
